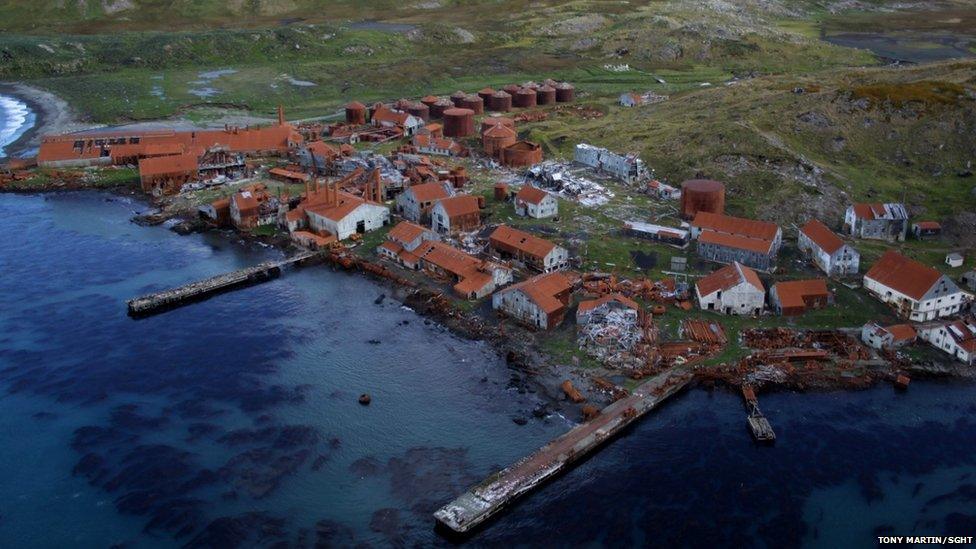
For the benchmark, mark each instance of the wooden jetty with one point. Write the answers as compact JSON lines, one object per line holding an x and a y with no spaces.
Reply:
{"x":195,"y":291}
{"x":480,"y":503}
{"x":759,"y":426}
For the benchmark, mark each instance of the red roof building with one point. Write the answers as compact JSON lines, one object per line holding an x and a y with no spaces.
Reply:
{"x":163,"y":175}
{"x":540,"y":301}
{"x":916,"y":291}
{"x":455,"y":214}
{"x":733,"y":289}
{"x":795,"y":297}
{"x":537,"y":253}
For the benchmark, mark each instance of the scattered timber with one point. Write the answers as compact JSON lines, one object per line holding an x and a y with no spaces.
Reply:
{"x":201,"y":289}
{"x":480,"y":503}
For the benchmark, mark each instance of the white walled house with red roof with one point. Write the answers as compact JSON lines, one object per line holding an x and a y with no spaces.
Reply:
{"x":534,"y":202}
{"x":877,"y":221}
{"x":727,"y":239}
{"x":415,"y":202}
{"x":827,"y":251}
{"x":957,"y":338}
{"x":916,"y":291}
{"x":733,"y":290}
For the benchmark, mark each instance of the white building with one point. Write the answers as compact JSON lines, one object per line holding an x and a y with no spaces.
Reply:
{"x":534,"y":202}
{"x":540,"y":301}
{"x":537,"y":253}
{"x":415,"y":202}
{"x":829,"y":253}
{"x":628,"y":168}
{"x":887,"y":337}
{"x":347,"y":216}
{"x":957,"y":339}
{"x":733,"y":290}
{"x":877,"y":221}
{"x":916,"y":291}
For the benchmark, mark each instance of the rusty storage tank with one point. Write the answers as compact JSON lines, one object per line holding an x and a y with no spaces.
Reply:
{"x":419,"y":110}
{"x":356,"y":113}
{"x":496,"y":138}
{"x":510,"y":89}
{"x":438,"y":108}
{"x":545,"y":95}
{"x":402,"y":104}
{"x":458,"y":122}
{"x":457,"y":96}
{"x":565,"y":92}
{"x":501,"y":191}
{"x":492,"y":121}
{"x":531,"y":85}
{"x":474,"y":103}
{"x":702,"y":195}
{"x":485,"y":95}
{"x":521,"y":155}
{"x":429,"y":100}
{"x":550,"y":82}
{"x":524,"y":98}
{"x":500,"y":101}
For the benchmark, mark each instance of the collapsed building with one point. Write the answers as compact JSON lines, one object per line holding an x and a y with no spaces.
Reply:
{"x":628,"y":168}
{"x":613,"y":328}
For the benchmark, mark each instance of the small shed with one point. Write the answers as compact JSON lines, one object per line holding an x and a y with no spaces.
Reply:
{"x":955,"y":260}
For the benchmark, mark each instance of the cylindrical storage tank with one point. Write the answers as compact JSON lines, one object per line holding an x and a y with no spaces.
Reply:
{"x":501,"y":191}
{"x":356,"y":113}
{"x":485,"y":95}
{"x":474,"y":103}
{"x":492,"y":121}
{"x":545,"y":95}
{"x":496,"y":138}
{"x":438,"y":108}
{"x":702,"y":195}
{"x":419,"y":110}
{"x":482,"y":203}
{"x":521,"y":155}
{"x":500,"y":101}
{"x":524,"y":98}
{"x":550,"y":82}
{"x":458,"y":122}
{"x":457,"y":97}
{"x":531,"y":85}
{"x":511,"y":89}
{"x":429,"y":100}
{"x":565,"y":92}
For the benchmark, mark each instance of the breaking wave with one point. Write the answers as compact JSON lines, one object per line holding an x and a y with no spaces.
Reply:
{"x":15,"y":119}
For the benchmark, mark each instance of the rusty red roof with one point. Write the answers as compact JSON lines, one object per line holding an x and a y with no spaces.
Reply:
{"x":531,"y":194}
{"x":166,"y":165}
{"x":736,"y":241}
{"x":405,"y":231}
{"x":428,"y":192}
{"x":750,"y":228}
{"x":509,"y":238}
{"x":822,"y":236}
{"x":460,"y":205}
{"x":543,"y":290}
{"x":791,"y":293}
{"x":591,"y":304}
{"x":728,"y":277}
{"x":903,"y":274}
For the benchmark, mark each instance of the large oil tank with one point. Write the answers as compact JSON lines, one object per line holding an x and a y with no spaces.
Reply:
{"x":565,"y":92}
{"x":438,"y":108}
{"x":524,"y":98}
{"x":458,"y":122}
{"x":485,"y":95}
{"x":419,"y":110}
{"x":702,"y":195}
{"x":474,"y":103}
{"x":496,"y":138}
{"x":429,"y":100}
{"x":492,"y":121}
{"x":545,"y":95}
{"x":356,"y":113}
{"x":457,"y":96}
{"x":500,"y":101}
{"x":510,"y":89}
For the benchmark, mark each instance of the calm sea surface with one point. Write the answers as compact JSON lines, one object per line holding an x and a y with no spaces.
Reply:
{"x":234,"y":421}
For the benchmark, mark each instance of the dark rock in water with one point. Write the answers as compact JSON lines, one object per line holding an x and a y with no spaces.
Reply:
{"x":296,"y":436}
{"x":179,"y":516}
{"x":424,"y":478}
{"x":196,"y":409}
{"x":197,"y":431}
{"x":44,"y":416}
{"x":247,"y":529}
{"x":365,"y":399}
{"x":869,"y":487}
{"x":189,"y":227}
{"x":155,"y":467}
{"x":373,"y":341}
{"x":329,"y":533}
{"x":320,"y":461}
{"x":334,"y":442}
{"x":289,"y":436}
{"x":91,"y":436}
{"x":541,"y":411}
{"x":379,"y":299}
{"x":127,"y":417}
{"x":519,"y":420}
{"x":260,"y":471}
{"x":365,"y":466}
{"x":91,"y":466}
{"x":404,"y":322}
{"x":385,"y":521}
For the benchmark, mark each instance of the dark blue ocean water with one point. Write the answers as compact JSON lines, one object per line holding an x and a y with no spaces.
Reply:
{"x":235,"y":422}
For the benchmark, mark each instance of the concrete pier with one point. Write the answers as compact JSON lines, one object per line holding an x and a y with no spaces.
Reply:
{"x":194,"y":291}
{"x":480,"y":503}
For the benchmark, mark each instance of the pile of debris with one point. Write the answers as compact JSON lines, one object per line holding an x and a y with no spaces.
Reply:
{"x":568,"y":183}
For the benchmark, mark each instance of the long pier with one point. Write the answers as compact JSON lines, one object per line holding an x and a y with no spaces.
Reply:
{"x":480,"y":503}
{"x":195,"y":291}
